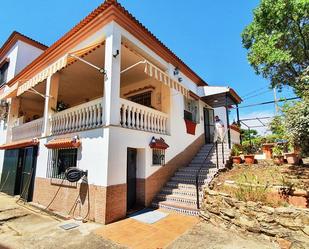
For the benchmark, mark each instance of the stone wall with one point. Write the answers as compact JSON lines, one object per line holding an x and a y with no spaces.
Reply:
{"x":288,"y":225}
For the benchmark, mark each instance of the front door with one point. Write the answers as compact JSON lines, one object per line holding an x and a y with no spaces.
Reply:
{"x":28,"y":173}
{"x":209,"y":126}
{"x":10,"y":172}
{"x":131,"y":177}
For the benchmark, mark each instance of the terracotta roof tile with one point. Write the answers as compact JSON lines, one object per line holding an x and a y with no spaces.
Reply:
{"x":62,"y":143}
{"x":20,"y":144}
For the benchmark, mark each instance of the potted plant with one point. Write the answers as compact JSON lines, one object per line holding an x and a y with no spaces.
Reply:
{"x":235,"y":152}
{"x":249,"y":155}
{"x":292,"y":157}
{"x":278,"y":154}
{"x":190,"y":124}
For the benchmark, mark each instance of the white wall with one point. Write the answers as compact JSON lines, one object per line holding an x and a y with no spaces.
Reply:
{"x":92,"y":155}
{"x":26,"y":54}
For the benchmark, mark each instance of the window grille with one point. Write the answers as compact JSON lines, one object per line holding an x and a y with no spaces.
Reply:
{"x":3,"y":73}
{"x":59,"y":160}
{"x":142,"y":99}
{"x":158,"y":157}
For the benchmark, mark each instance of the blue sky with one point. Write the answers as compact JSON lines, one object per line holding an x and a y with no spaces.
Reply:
{"x":205,"y":34}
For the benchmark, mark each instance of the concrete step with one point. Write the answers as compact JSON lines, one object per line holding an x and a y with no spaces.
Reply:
{"x":191,"y":200}
{"x":175,"y":207}
{"x":191,"y":180}
{"x":179,"y":191}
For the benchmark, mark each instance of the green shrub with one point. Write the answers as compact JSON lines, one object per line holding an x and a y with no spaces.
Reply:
{"x":236,"y":150}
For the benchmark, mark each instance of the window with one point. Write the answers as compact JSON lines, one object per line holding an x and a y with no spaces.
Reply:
{"x":191,"y":111}
{"x":142,"y":98}
{"x":60,"y":160}
{"x":158,"y":157}
{"x":3,"y":73}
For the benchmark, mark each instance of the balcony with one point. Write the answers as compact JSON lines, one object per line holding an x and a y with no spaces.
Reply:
{"x":81,"y":117}
{"x":28,"y":130}
{"x":90,"y":115}
{"x":139,"y":117}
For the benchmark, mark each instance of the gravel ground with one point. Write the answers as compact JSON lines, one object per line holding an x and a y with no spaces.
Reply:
{"x":207,"y":236}
{"x":21,"y":228}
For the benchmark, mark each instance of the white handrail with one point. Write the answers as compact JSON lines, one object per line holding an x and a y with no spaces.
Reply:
{"x":139,"y":117}
{"x":77,"y":118}
{"x":28,"y":130}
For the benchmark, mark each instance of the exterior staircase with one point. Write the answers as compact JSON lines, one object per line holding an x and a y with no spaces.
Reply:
{"x":179,"y":194}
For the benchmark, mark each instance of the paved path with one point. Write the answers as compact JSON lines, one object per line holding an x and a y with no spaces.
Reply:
{"x":139,"y":235}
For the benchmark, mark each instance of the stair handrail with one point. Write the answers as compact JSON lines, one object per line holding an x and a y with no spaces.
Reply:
{"x":215,"y":144}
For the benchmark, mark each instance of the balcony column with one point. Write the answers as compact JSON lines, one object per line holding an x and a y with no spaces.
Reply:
{"x":52,"y":86}
{"x":112,"y":77}
{"x":12,"y":116}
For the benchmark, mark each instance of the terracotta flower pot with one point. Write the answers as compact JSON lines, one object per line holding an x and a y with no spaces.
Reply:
{"x":292,"y":158}
{"x":249,"y":159}
{"x":278,"y":160}
{"x":236,"y":159}
{"x":190,"y":127}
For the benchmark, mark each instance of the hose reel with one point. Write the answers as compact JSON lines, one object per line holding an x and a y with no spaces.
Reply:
{"x":74,"y":174}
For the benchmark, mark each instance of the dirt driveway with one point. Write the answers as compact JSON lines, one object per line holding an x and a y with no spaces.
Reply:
{"x":22,"y":228}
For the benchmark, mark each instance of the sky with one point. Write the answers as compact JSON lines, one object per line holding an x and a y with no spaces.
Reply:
{"x":205,"y":34}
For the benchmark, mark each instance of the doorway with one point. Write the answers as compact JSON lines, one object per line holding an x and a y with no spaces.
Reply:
{"x":209,"y":125}
{"x":19,"y":172}
{"x":131,"y":178}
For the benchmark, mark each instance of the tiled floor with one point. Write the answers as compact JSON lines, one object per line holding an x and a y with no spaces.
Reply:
{"x":135,"y":234}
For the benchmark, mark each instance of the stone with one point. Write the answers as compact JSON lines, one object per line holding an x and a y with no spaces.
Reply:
{"x":306,"y":230}
{"x":228,"y":212}
{"x":205,"y":215}
{"x":210,"y":192}
{"x":224,"y":194}
{"x":265,"y":218}
{"x":288,"y":223}
{"x":285,"y":210}
{"x":268,"y":210}
{"x":230,"y":201}
{"x":250,"y":224}
{"x":214,"y":210}
{"x":284,"y":244}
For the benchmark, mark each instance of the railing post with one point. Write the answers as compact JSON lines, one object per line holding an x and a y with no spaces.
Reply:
{"x":222,"y":144}
{"x":217,"y":155}
{"x":197,"y":192}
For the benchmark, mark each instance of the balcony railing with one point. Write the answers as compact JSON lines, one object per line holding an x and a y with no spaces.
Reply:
{"x":28,"y":130}
{"x":78,"y":118}
{"x":139,"y":117}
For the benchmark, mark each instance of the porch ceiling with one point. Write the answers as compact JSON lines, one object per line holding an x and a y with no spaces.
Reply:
{"x":219,"y":100}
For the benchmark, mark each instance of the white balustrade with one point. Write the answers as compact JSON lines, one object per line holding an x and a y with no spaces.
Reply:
{"x":31,"y":129}
{"x":139,"y":117}
{"x":77,"y":118}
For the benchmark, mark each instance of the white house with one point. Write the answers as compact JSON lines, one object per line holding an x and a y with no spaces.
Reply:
{"x":110,"y":99}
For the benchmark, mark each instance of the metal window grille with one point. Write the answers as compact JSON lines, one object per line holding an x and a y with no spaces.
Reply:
{"x":142,"y":99}
{"x":3,"y":73}
{"x":59,"y":160}
{"x":158,"y":157}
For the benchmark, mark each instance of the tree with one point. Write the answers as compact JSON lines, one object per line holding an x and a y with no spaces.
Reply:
{"x":278,"y":42}
{"x":276,"y":127}
{"x":247,"y":134}
{"x":296,"y":122}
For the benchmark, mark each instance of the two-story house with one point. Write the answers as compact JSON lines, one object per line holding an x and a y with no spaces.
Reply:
{"x":108,"y":98}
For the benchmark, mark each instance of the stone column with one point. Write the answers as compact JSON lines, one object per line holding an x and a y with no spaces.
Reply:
{"x":52,"y":86}
{"x":112,"y":77}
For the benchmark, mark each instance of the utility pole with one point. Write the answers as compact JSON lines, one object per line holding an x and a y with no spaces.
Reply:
{"x":275,"y":101}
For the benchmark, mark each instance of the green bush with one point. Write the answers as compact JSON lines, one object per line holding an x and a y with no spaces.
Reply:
{"x":236,"y":150}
